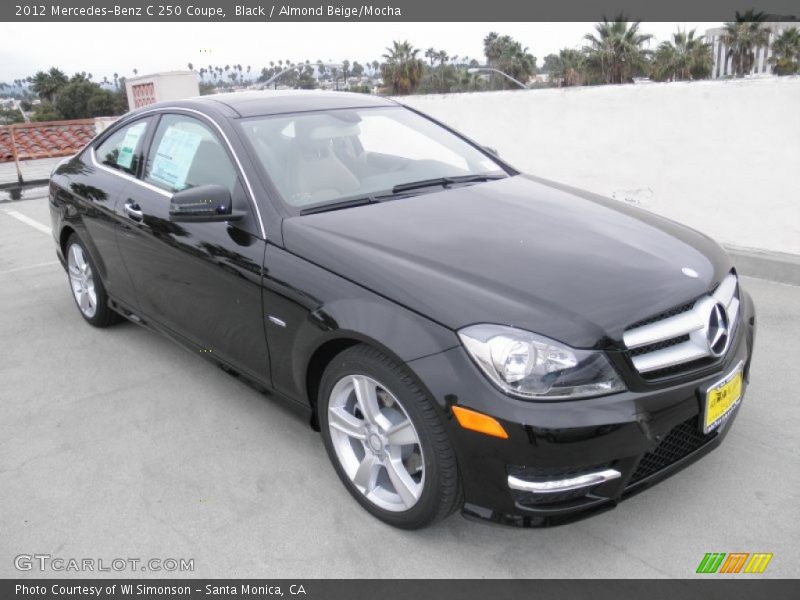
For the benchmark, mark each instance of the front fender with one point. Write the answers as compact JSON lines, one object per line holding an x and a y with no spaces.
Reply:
{"x":332,"y":309}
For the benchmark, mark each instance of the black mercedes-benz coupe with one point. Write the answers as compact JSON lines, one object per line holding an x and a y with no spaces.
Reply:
{"x":462,"y":335}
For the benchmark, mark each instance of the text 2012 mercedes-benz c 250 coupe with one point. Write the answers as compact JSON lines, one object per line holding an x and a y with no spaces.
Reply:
{"x":463,"y":336}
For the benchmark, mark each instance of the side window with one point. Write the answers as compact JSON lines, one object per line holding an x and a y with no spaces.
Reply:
{"x":186,"y":153}
{"x":122,"y":149}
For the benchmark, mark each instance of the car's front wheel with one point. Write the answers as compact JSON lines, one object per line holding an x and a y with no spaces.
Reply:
{"x":86,"y":285}
{"x":386,"y":440}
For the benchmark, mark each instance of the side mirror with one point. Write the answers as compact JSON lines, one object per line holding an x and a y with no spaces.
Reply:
{"x":203,"y":204}
{"x":491,"y":150}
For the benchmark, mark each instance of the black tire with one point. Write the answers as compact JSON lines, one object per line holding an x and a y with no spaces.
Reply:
{"x":441,"y":489}
{"x":103,"y":315}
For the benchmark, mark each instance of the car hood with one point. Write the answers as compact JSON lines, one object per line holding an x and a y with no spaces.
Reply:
{"x":521,"y":251}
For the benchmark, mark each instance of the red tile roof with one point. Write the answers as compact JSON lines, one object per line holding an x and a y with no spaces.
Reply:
{"x":45,"y":140}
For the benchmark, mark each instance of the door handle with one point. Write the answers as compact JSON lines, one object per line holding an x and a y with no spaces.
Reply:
{"x":133,"y":211}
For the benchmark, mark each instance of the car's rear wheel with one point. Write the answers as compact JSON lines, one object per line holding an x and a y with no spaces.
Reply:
{"x":86,"y":285}
{"x":386,"y":440}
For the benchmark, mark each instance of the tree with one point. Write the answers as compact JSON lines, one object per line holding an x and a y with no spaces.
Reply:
{"x":9,"y":116}
{"x":509,"y":56}
{"x":431,"y":54}
{"x":46,"y":85}
{"x":684,"y":58}
{"x":615,"y":53}
{"x":357,"y":69}
{"x":402,"y":71}
{"x":785,"y":59}
{"x":741,"y":37}
{"x":567,"y":68}
{"x":306,"y":79}
{"x":82,"y":98}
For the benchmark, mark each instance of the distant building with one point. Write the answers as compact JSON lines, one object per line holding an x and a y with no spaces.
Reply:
{"x":171,"y":85}
{"x":723,"y":64}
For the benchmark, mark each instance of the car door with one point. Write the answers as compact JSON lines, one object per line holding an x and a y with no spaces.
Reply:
{"x":201,"y":281}
{"x":96,"y":181}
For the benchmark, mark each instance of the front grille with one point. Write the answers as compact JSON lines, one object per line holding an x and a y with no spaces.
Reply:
{"x":680,"y":339}
{"x":659,"y":345}
{"x":664,"y":315}
{"x":680,"y":442}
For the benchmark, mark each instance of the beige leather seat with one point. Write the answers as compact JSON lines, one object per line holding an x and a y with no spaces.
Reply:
{"x":315,"y":173}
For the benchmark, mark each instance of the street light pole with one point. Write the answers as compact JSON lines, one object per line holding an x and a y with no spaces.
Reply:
{"x":474,"y":70}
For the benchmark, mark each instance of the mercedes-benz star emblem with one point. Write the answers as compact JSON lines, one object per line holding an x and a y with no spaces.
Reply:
{"x":718,"y":330}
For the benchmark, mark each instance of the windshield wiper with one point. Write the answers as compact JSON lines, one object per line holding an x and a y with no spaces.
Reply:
{"x":361,"y":201}
{"x":443,"y":181}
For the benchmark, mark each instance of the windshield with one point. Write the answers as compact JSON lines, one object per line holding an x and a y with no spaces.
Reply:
{"x":317,"y":158}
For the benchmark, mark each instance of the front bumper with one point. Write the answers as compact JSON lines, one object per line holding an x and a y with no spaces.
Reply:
{"x":644,"y":435}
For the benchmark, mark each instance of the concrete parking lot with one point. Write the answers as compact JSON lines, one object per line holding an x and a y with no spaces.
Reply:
{"x":118,"y":443}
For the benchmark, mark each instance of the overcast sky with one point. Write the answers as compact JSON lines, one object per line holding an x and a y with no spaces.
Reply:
{"x":105,"y":48}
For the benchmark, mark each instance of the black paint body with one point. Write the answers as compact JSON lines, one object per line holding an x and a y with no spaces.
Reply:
{"x":403,"y":276}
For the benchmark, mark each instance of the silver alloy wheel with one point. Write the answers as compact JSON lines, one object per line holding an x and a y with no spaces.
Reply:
{"x":81,"y":280}
{"x":376,"y":443}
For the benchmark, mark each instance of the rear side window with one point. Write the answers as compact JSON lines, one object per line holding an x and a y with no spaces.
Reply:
{"x":122,"y":149}
{"x":185,"y":153}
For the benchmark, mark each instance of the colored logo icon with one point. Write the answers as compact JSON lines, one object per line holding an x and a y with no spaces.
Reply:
{"x":734,"y":562}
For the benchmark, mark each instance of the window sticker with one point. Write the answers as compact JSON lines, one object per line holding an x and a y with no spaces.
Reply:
{"x":128,"y":145}
{"x":174,"y":157}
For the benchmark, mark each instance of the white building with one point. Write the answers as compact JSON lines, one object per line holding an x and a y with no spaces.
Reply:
{"x":723,"y":64}
{"x":172,"y":85}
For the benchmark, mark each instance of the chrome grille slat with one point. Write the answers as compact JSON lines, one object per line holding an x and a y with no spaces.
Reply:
{"x":693,"y":323}
{"x":663,"y":330}
{"x":668,"y":357}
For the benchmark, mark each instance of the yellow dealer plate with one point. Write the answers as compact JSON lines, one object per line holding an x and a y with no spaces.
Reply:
{"x":722,"y":398}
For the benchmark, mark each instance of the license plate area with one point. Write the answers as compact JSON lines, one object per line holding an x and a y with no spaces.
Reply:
{"x":721,"y":398}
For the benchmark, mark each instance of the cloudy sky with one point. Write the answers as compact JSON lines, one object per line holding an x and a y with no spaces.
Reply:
{"x":102,"y":49}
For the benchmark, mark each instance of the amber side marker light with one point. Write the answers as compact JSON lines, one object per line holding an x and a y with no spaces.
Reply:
{"x":470,"y":419}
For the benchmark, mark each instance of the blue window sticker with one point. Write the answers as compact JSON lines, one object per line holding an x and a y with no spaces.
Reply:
{"x":174,"y":157}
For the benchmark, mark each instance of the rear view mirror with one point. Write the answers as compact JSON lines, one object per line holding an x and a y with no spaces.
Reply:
{"x":204,"y":203}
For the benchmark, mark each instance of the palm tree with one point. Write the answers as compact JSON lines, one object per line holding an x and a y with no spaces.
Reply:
{"x":509,"y":56}
{"x":741,"y":37}
{"x":403,"y":69}
{"x":685,"y":57}
{"x":785,"y":59}
{"x":345,"y":69}
{"x":568,"y":68}
{"x":47,"y":84}
{"x":430,"y":54}
{"x":136,"y":72}
{"x":191,"y":66}
{"x":616,"y":51}
{"x":442,"y":57}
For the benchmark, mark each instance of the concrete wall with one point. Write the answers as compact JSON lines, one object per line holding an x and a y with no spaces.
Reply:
{"x":720,"y":156}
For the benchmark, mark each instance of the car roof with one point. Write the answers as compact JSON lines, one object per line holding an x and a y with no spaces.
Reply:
{"x":275,"y":102}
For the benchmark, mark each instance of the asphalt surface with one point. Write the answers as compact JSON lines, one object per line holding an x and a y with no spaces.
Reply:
{"x":117,"y":443}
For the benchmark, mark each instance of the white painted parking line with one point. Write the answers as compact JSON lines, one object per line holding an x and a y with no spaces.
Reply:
{"x":27,"y":220}
{"x":36,"y":266}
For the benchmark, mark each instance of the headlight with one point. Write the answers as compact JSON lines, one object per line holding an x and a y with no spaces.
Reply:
{"x":527,"y":365}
